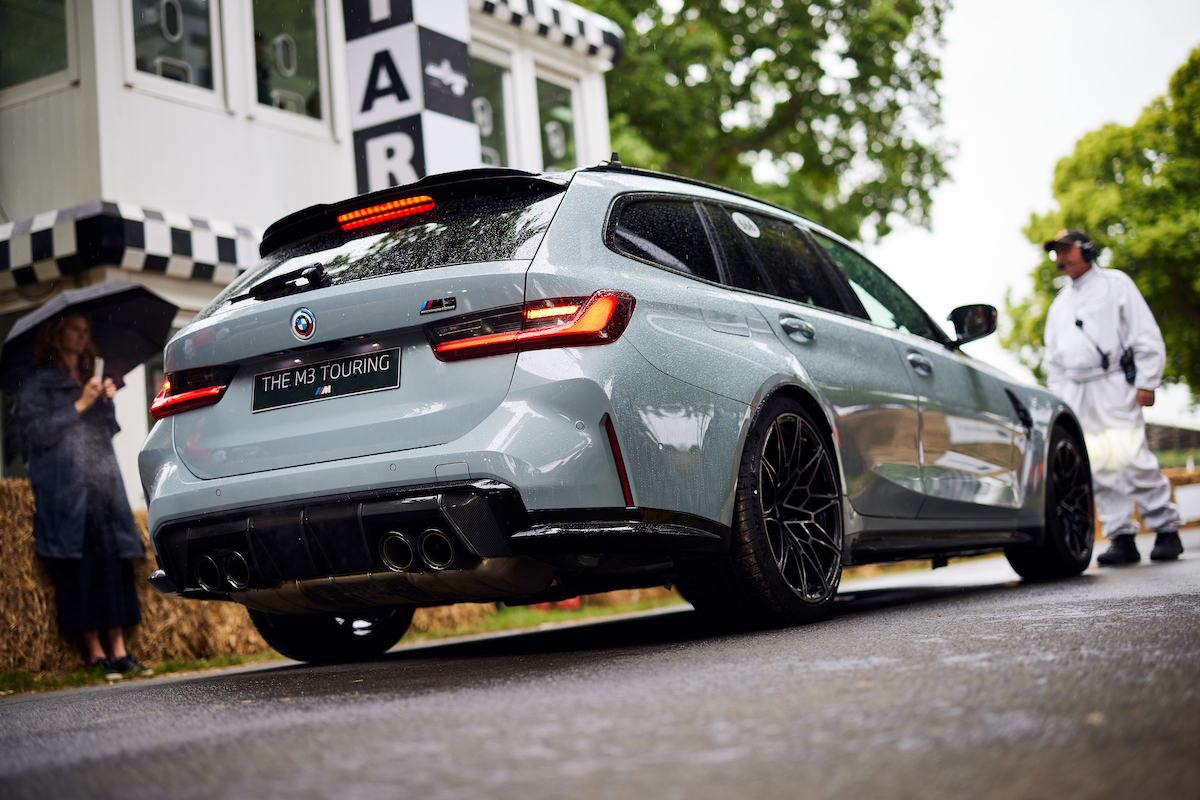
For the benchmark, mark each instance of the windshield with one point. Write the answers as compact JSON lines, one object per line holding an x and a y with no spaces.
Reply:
{"x":456,"y":231}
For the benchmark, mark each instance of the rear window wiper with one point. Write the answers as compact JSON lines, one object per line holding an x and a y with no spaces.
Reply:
{"x":304,"y":279}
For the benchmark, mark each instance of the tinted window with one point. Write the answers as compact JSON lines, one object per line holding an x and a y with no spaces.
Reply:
{"x":740,"y":268}
{"x":792,"y":269}
{"x":886,"y":303}
{"x":666,"y":232}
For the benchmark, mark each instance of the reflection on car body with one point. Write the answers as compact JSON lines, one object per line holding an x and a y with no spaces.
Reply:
{"x":603,"y":379}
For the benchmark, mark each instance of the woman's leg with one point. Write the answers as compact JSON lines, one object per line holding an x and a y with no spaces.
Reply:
{"x":116,"y":643}
{"x":95,"y":650}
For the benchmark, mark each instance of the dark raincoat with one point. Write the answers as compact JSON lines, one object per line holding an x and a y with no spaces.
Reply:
{"x":70,"y":457}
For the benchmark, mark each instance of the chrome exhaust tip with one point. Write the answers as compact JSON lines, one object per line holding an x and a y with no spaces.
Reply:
{"x":436,"y":549}
{"x":237,"y":571}
{"x":208,"y":574}
{"x":396,"y":552}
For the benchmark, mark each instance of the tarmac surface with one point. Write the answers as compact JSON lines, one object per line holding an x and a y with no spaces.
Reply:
{"x":960,"y":682}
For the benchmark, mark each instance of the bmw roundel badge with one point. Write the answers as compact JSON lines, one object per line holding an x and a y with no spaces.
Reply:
{"x":304,"y":325}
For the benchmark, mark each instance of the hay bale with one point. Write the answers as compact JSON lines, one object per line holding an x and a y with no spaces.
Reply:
{"x":171,"y":627}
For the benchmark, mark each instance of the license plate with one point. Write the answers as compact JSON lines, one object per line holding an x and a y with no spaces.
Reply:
{"x":340,"y":377}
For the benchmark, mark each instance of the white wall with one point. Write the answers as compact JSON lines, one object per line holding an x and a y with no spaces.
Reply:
{"x":217,"y":153}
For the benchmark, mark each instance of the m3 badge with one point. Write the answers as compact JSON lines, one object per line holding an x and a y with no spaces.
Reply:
{"x":440,"y":304}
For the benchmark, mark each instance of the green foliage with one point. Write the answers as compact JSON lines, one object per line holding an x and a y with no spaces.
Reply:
{"x":835,"y":100}
{"x":1136,"y":191}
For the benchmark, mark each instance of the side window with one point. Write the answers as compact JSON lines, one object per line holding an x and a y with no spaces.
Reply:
{"x":792,"y":269}
{"x":33,"y":40}
{"x":666,"y":232}
{"x":886,"y":303}
{"x":740,"y":268}
{"x":173,"y":39}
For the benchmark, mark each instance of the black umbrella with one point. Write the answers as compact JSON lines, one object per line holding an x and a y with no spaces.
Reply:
{"x":130,"y":324}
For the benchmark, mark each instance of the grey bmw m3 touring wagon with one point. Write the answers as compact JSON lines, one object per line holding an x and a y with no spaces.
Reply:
{"x":493,"y":385}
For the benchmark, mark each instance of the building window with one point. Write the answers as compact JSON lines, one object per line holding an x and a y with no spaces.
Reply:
{"x":173,"y":39}
{"x":488,"y":82}
{"x":287,"y":55}
{"x":33,"y":40}
{"x":556,"y":115}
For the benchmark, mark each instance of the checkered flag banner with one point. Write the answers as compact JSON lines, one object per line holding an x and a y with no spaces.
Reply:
{"x":561,"y":22}
{"x":71,"y":240}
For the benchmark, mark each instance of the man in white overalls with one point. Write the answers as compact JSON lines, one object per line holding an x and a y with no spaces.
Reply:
{"x":1105,"y":357}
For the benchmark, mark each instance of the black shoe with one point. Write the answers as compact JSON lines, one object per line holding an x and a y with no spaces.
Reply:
{"x":1121,"y":551}
{"x":111,"y":671}
{"x":1167,"y":546}
{"x":127,"y":664}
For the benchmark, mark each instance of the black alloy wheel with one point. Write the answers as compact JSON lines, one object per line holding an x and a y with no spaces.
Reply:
{"x":1070,"y":532}
{"x":785,"y":561}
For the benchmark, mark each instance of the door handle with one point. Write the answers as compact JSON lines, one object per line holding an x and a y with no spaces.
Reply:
{"x":797,"y":329}
{"x":920,"y":364}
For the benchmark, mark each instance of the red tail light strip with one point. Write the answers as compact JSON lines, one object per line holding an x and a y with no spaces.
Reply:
{"x":165,"y":404}
{"x":385,"y":211}
{"x":615,"y":446}
{"x":599,"y":319}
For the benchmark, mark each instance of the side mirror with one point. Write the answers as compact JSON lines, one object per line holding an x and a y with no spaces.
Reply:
{"x":972,"y":322}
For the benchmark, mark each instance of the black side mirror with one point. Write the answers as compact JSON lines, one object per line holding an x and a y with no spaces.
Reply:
{"x":972,"y":322}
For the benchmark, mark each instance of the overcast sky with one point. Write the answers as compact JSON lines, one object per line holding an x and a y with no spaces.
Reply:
{"x":1023,"y":80}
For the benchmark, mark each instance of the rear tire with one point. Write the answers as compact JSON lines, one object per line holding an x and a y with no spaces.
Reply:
{"x":785,"y":559}
{"x":330,"y":638}
{"x":1070,"y":533}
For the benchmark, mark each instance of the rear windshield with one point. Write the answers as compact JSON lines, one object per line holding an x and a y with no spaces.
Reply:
{"x":456,"y":231}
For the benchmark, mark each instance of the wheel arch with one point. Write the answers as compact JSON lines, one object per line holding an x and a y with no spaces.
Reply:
{"x":783,"y":386}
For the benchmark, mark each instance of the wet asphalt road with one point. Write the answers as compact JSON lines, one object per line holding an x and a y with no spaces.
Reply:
{"x":960,"y":682}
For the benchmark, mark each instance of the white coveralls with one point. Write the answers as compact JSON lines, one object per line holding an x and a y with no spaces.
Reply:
{"x":1124,"y":471}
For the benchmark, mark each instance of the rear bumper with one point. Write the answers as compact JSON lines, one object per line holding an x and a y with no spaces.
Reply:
{"x":438,"y":543}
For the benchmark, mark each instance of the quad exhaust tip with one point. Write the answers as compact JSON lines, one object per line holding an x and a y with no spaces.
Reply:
{"x":212,"y":578}
{"x":208,"y":574}
{"x":397,"y":552}
{"x":437,"y":551}
{"x":237,"y":571}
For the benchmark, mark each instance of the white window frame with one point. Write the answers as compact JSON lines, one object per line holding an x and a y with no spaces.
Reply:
{"x":214,"y":99}
{"x":55,"y":81}
{"x":278,"y":118}
{"x":503,"y":59}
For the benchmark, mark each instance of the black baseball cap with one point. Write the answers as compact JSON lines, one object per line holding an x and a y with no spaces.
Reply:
{"x":1066,"y":237}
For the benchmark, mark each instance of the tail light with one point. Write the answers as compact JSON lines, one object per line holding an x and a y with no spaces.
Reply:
{"x":190,"y":389}
{"x":559,"y":322}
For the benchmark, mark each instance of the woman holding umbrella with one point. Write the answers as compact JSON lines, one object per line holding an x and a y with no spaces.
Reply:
{"x":86,"y":537}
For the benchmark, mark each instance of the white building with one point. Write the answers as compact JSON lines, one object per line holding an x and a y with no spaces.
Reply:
{"x":153,"y":140}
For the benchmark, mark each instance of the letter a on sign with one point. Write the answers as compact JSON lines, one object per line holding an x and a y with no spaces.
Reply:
{"x":381,"y":65}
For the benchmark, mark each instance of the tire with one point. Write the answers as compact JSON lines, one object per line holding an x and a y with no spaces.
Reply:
{"x":785,"y":559}
{"x":1069,"y":533}
{"x":330,"y":638}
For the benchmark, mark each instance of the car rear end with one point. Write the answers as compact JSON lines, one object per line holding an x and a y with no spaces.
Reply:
{"x":346,"y":425}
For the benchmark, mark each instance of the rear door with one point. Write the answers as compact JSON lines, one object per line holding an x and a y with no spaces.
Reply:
{"x":867,"y":387}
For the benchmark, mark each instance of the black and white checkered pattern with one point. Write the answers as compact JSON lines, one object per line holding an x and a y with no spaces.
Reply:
{"x":559,"y":21}
{"x":70,"y":240}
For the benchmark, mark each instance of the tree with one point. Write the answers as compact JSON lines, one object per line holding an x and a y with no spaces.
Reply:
{"x":828,"y":107}
{"x":1136,"y":191}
